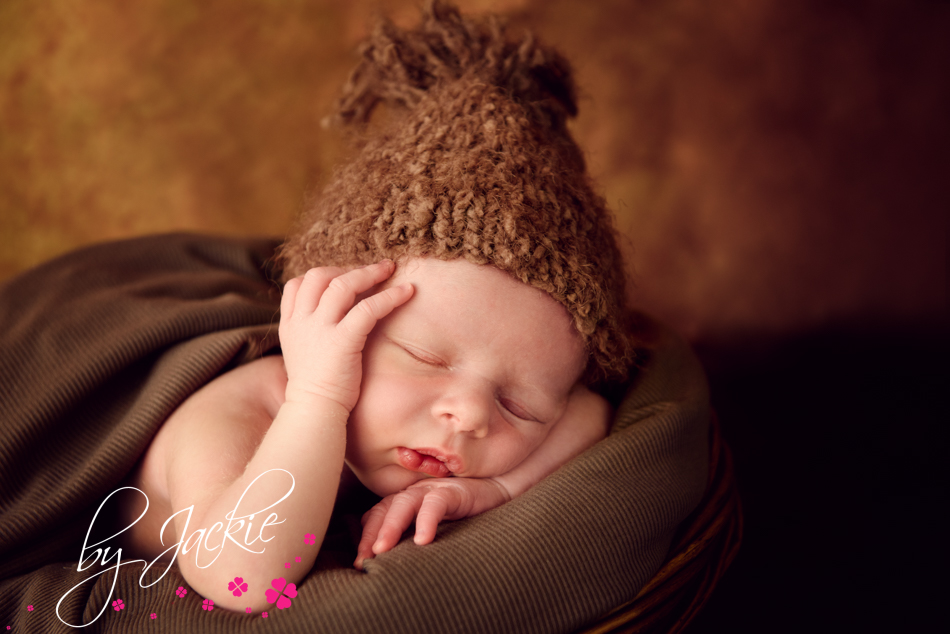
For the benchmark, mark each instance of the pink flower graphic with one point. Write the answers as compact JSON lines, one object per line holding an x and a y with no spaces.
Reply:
{"x":309,"y":538}
{"x":282,"y":593}
{"x":237,"y":586}
{"x":287,"y":564}
{"x":297,"y":560}
{"x":264,"y":614}
{"x":118,"y":605}
{"x":154,"y":615}
{"x":181,"y":591}
{"x":207,"y":604}
{"x":248,"y":610}
{"x":29,"y":608}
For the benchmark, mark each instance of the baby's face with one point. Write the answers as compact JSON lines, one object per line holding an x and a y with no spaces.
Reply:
{"x":467,"y":378}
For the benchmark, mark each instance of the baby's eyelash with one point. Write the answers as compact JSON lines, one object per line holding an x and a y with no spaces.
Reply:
{"x":422,"y":359}
{"x":517,"y":411}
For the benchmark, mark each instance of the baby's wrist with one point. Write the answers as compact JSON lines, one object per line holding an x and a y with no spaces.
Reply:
{"x":312,"y":405}
{"x":505,"y":488}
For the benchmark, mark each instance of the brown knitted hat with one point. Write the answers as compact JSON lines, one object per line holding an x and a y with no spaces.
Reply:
{"x":475,"y":162}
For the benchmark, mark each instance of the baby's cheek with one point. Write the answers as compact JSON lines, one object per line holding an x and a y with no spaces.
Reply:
{"x":516,"y":449}
{"x":390,"y":392}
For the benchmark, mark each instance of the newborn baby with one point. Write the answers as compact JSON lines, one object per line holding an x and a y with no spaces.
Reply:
{"x":448,"y":381}
{"x":450,"y":297}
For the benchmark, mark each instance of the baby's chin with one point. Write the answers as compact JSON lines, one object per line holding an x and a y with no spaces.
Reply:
{"x":386,"y":480}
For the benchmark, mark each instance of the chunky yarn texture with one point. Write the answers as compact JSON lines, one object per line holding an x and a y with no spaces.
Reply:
{"x":474,"y":161}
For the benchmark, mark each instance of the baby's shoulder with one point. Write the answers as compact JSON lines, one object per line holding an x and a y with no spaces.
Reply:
{"x":210,"y":436}
{"x":258,"y":385}
{"x":220,"y":426}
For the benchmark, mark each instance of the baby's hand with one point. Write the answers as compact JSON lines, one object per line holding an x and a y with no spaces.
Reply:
{"x":322,"y":333}
{"x":429,"y":502}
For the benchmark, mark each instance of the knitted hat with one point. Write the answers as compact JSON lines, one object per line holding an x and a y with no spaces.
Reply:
{"x":475,"y":162}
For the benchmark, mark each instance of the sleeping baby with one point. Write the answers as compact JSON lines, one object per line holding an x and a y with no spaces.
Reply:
{"x":450,"y":300}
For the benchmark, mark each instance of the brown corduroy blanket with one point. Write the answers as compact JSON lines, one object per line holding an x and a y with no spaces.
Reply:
{"x":99,"y":346}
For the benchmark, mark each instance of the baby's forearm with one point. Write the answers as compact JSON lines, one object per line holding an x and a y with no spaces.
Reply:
{"x":306,"y":441}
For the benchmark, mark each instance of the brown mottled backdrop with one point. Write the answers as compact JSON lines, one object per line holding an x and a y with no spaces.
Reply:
{"x":776,"y":165}
{"x":779,"y":167}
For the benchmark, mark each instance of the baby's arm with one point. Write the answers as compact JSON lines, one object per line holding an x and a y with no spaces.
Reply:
{"x":322,"y":335}
{"x":584,"y":422}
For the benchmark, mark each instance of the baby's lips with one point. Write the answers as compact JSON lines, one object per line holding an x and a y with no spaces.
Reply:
{"x":423,"y":462}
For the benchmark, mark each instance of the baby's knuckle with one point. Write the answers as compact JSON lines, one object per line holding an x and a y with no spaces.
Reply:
{"x":375,"y":512}
{"x":339,"y":284}
{"x":369,"y":306}
{"x":406,"y":499}
{"x":318,"y":274}
{"x":441,"y":494}
{"x":345,"y":336}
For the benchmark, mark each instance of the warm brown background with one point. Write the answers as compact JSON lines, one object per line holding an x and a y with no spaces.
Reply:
{"x":776,"y":165}
{"x":780,"y":168}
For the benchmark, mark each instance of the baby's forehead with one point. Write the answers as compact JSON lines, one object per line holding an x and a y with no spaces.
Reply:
{"x":463,"y":304}
{"x":485,"y":286}
{"x":462,"y":272}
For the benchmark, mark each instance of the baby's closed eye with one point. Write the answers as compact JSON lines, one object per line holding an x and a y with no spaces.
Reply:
{"x":517,"y":410}
{"x":422,"y":357}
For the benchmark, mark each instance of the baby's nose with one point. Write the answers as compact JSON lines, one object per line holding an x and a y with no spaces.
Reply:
{"x":467,"y":411}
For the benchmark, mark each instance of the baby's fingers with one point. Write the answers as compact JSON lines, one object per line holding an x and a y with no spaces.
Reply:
{"x":304,"y":296}
{"x":341,"y":292}
{"x":398,"y":518}
{"x":372,"y":521}
{"x":435,"y":508}
{"x":361,"y":320}
{"x":289,"y":297}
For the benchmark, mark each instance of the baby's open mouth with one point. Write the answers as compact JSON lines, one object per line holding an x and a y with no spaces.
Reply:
{"x":428,"y":461}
